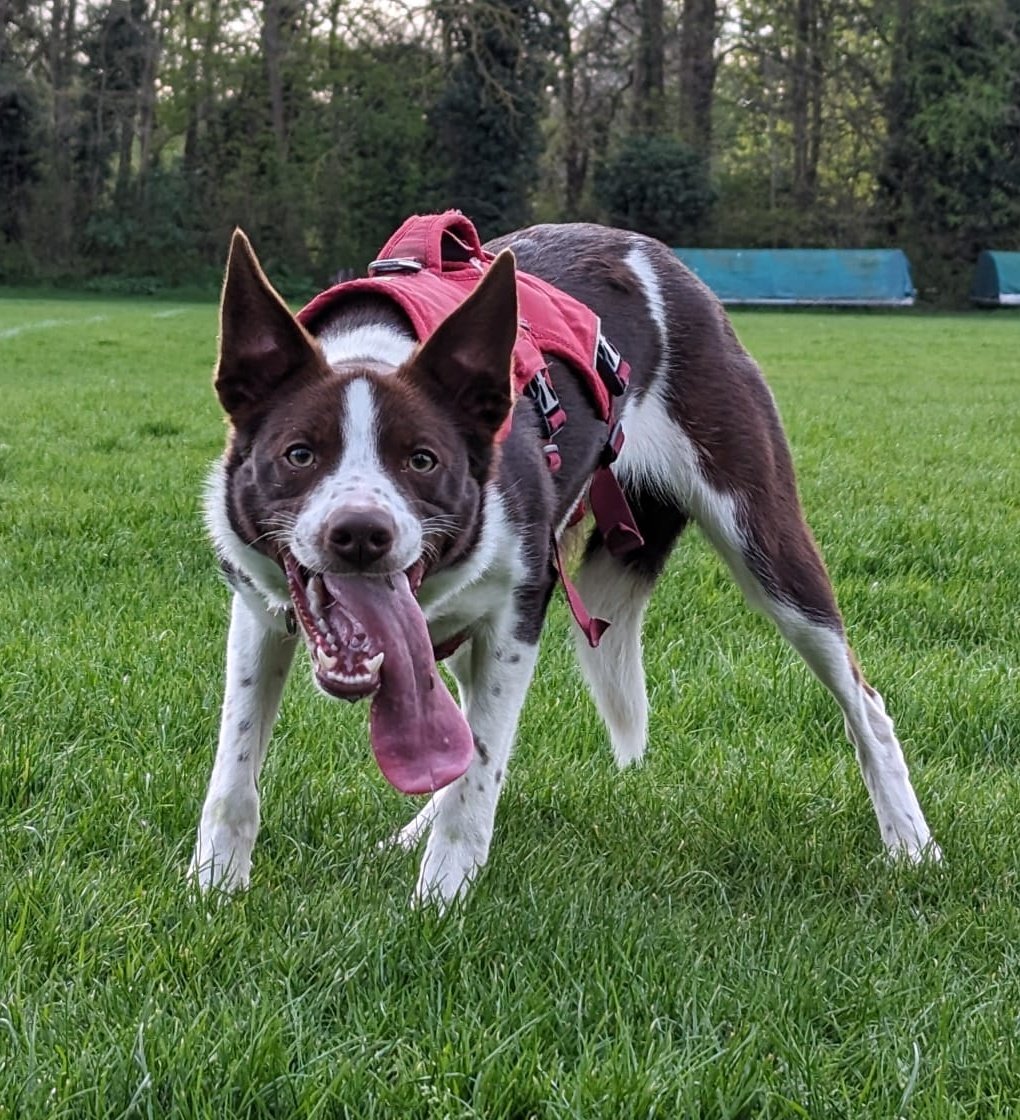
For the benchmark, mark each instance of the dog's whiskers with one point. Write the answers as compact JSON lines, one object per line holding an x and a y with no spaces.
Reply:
{"x":437,"y":526}
{"x":441,"y":524}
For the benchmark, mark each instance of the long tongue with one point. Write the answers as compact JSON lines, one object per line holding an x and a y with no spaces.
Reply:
{"x":420,"y":737}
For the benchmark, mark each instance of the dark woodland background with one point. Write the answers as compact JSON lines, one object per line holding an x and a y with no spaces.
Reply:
{"x":134,"y":134}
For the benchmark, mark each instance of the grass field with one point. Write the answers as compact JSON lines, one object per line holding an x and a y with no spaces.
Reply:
{"x":714,"y":935}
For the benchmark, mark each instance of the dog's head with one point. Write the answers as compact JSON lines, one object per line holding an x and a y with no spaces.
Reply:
{"x":359,"y":480}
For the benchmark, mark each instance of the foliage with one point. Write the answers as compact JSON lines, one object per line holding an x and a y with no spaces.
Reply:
{"x":382,"y":162}
{"x":21,"y":140}
{"x":657,"y":185}
{"x":487,"y":116}
{"x":952,"y":165}
{"x":136,"y":133}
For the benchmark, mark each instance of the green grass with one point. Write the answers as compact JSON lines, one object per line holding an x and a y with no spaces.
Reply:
{"x":716,"y":934}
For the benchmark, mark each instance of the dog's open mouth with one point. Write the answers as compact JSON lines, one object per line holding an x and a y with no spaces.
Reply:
{"x":367,"y":636}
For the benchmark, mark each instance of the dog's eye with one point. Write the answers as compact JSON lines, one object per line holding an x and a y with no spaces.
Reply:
{"x":422,"y":461}
{"x":299,"y":456}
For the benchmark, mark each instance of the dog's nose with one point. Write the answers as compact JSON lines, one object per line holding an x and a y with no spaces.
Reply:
{"x":361,"y":538}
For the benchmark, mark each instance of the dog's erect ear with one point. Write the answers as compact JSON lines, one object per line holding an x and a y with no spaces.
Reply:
{"x":261,"y":343}
{"x":466,"y":361}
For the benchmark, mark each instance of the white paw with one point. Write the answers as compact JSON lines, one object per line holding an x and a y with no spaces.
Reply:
{"x":222,"y":858}
{"x":915,"y":852}
{"x":220,"y":871}
{"x":448,"y":869}
{"x":407,"y":838}
{"x":629,"y":743}
{"x":411,"y":835}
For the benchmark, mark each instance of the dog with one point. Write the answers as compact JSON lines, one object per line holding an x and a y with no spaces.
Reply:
{"x":369,"y":508}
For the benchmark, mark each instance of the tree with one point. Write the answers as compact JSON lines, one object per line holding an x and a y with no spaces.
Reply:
{"x":696,"y":78}
{"x":950,"y":178}
{"x":21,"y":132}
{"x":648,"y":108}
{"x":487,"y":117}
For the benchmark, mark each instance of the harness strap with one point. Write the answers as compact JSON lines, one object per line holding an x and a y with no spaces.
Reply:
{"x":448,"y":648}
{"x":592,"y":628}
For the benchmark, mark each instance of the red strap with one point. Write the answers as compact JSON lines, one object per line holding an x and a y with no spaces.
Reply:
{"x":613,"y":514}
{"x":592,"y":628}
{"x":446,"y":649}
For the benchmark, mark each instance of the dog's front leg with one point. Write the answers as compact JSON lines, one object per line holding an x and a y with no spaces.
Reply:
{"x":499,"y":671}
{"x":259,"y":653}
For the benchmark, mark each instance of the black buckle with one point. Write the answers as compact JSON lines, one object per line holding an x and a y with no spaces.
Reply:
{"x":614,"y":445}
{"x":608,"y":363}
{"x":540,"y":389}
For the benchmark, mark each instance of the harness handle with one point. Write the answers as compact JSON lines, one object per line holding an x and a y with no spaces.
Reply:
{"x":443,"y":242}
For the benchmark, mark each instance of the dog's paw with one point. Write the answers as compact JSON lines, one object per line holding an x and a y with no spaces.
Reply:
{"x":222,"y":859}
{"x":214,"y":870}
{"x":448,"y":869}
{"x":916,"y":853}
{"x":411,"y":835}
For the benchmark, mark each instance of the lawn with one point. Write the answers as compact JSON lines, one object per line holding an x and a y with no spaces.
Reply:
{"x":716,"y":934}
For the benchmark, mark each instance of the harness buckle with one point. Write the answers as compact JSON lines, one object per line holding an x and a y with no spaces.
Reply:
{"x":609,"y":365}
{"x":385,"y":265}
{"x":541,"y":391}
{"x":614,"y":445}
{"x":553,"y":459}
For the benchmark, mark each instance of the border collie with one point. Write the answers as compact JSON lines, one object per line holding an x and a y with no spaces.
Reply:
{"x":368,"y":509}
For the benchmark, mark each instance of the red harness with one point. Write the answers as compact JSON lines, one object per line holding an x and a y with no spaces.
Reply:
{"x":427,"y":268}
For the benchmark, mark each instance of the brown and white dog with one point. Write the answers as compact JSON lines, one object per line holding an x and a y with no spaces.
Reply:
{"x":364,"y":509}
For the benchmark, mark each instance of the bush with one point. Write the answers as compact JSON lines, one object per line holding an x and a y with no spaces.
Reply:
{"x":656,"y":185}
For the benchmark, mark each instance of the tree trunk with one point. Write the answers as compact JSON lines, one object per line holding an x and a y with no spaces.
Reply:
{"x":272,"y":47}
{"x":126,"y":145}
{"x":648,"y":114}
{"x":191,"y":86}
{"x":697,"y":73}
{"x":816,"y":100}
{"x":574,"y":156}
{"x":799,"y":94}
{"x":60,"y":58}
{"x":897,"y":115}
{"x":575,"y":162}
{"x":152,"y":47}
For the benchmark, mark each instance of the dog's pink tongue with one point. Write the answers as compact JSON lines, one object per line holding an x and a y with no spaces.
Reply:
{"x":420,"y":737}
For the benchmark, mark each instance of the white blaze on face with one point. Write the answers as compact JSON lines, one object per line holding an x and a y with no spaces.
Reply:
{"x":360,"y":483}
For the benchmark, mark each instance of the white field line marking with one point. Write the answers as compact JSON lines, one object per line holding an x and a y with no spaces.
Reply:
{"x":45,"y":324}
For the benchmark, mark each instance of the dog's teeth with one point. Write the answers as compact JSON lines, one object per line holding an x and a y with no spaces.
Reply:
{"x":314,"y":593}
{"x":325,"y":661}
{"x":373,"y":663}
{"x":343,"y":678}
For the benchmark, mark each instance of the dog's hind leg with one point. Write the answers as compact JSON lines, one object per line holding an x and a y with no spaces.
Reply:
{"x":743,"y":495}
{"x":618,"y":589}
{"x":763,"y":538}
{"x":259,"y":653}
{"x":782,"y":575}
